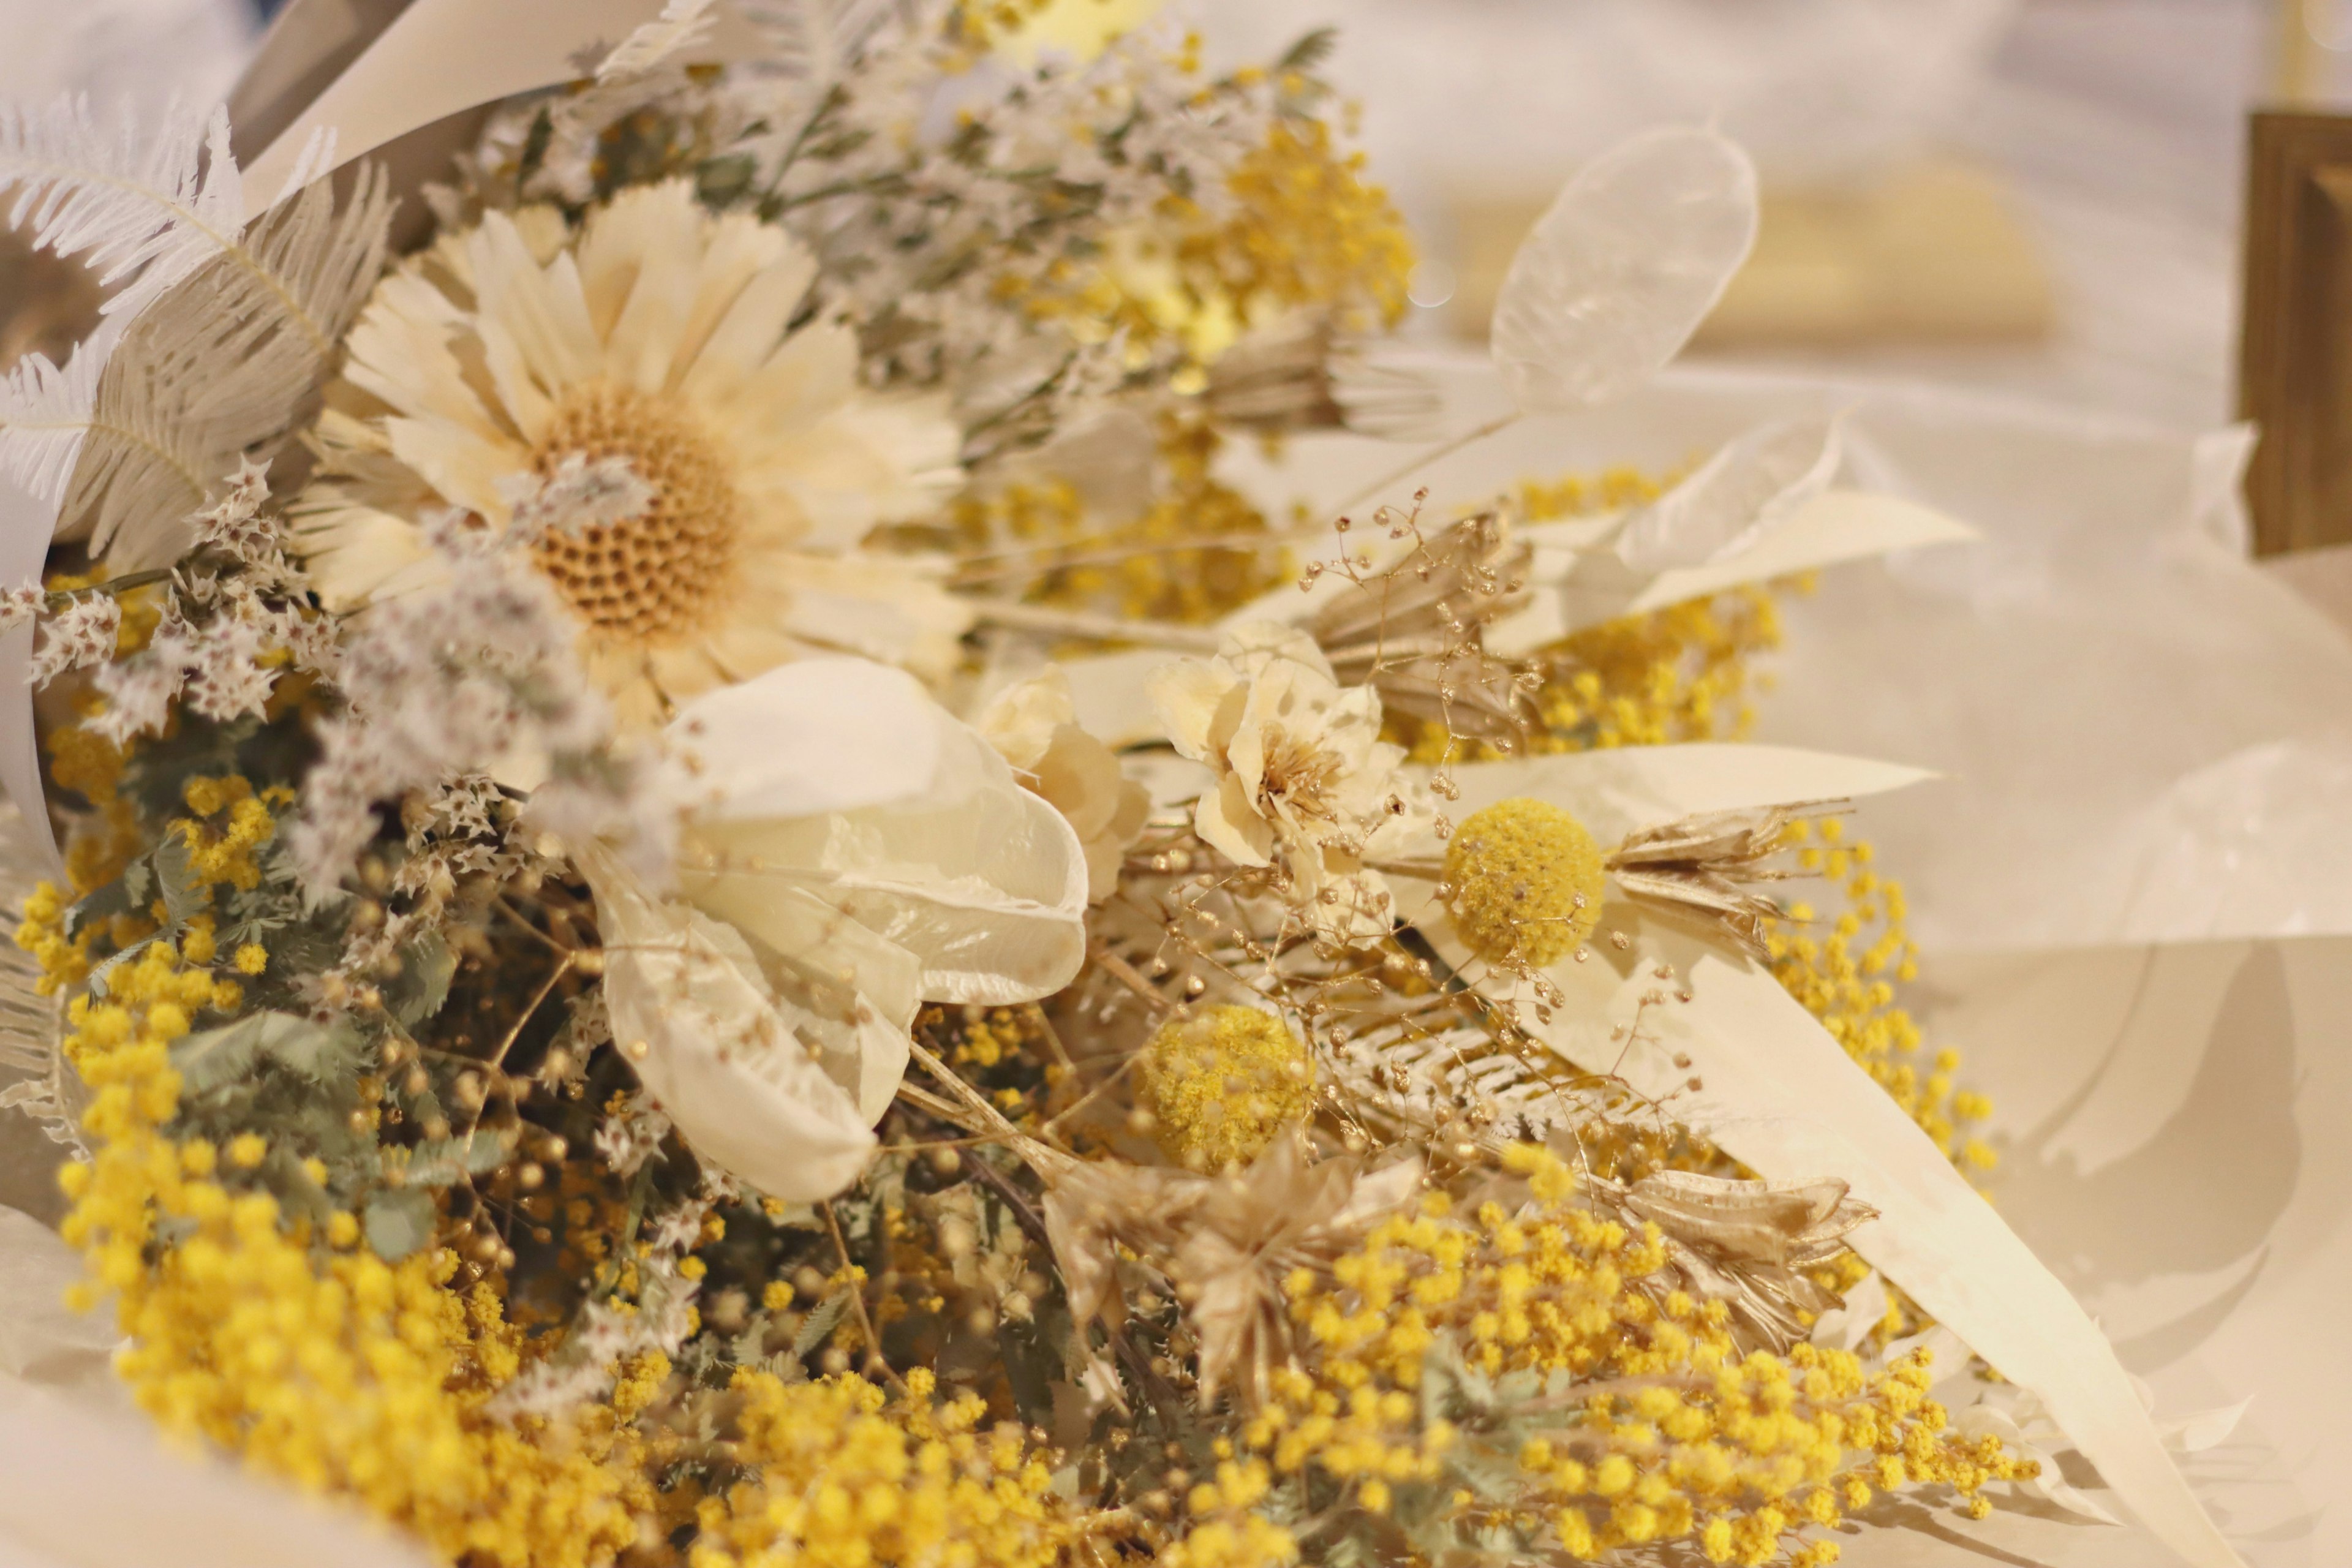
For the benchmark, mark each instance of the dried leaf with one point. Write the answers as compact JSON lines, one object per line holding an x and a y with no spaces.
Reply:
{"x":1226,"y":1244}
{"x":1697,"y":865}
{"x":1621,"y":271}
{"x":1577,"y":581}
{"x":1799,"y":1222}
{"x":1743,"y":492}
{"x":1625,"y":791}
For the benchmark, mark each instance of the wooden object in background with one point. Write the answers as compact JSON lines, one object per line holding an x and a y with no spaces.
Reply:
{"x":2294,"y":364}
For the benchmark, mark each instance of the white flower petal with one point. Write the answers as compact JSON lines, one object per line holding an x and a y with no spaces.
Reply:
{"x":1624,"y":267}
{"x":403,"y":356}
{"x":892,"y":609}
{"x":733,"y":349}
{"x":983,"y":882}
{"x":1021,"y":720}
{"x":1835,"y":527}
{"x":854,"y":994}
{"x":815,"y":736}
{"x":1225,"y":822}
{"x":1186,"y":694}
{"x":546,"y":309}
{"x":461,"y":467}
{"x":720,"y":1055}
{"x":843,"y":779}
{"x":645,"y":247}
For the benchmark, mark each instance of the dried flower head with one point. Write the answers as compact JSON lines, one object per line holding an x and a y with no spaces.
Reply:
{"x":656,"y":335}
{"x":1222,"y":1082}
{"x":1304,"y":785}
{"x":1524,"y":882}
{"x":1034,"y":725}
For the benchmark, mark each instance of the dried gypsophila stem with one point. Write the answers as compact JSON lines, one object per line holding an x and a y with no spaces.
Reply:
{"x":1413,"y":628}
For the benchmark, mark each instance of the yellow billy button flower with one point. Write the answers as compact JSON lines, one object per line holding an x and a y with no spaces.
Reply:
{"x":1524,"y":881}
{"x":1221,"y":1081}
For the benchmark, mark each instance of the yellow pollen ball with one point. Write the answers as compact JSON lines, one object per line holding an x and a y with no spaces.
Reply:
{"x":658,"y":577}
{"x":1221,"y":1081}
{"x":1525,"y":882}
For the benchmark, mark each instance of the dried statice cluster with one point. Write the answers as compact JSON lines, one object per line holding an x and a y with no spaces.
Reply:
{"x":468,"y":677}
{"x":234,"y":615}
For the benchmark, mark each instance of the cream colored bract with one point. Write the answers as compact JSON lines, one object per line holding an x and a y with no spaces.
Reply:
{"x":852,"y":851}
{"x":662,"y":336}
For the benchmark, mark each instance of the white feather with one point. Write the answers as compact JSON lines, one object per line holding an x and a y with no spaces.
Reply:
{"x":148,"y":207}
{"x":45,"y":414}
{"x":814,"y":40}
{"x":145,"y":422}
{"x":681,"y":25}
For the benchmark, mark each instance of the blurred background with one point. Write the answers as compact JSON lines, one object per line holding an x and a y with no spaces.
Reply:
{"x":2039,"y":195}
{"x":2033,"y":195}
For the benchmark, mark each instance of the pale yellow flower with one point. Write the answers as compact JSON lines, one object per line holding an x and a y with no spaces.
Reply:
{"x":1304,"y":784}
{"x":659,"y":334}
{"x":1034,"y":724}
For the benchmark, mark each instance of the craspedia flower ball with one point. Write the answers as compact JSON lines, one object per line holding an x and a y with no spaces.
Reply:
{"x":1524,"y":881}
{"x":1220,"y":1082}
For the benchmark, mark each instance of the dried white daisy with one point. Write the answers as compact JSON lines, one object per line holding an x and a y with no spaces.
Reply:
{"x":658,"y":335}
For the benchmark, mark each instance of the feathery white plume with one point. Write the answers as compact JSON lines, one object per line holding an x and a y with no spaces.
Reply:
{"x":681,"y":25}
{"x":132,"y":437}
{"x":814,"y":41}
{"x":151,"y":206}
{"x":45,"y":411}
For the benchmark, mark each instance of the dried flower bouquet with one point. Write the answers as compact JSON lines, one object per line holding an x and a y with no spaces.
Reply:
{"x":719,"y":903}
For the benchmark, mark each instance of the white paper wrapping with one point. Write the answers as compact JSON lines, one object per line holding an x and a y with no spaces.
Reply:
{"x":2171,"y":1121}
{"x":86,"y":1482}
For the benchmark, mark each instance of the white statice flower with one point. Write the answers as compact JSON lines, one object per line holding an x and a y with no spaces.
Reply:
{"x":580,"y":494}
{"x":851,"y":851}
{"x":236,"y":526}
{"x":1302,"y":783}
{"x":228,"y":612}
{"x":472,"y":675}
{"x":82,"y":634}
{"x":656,"y":333}
{"x":21,"y":605}
{"x":1034,"y":724}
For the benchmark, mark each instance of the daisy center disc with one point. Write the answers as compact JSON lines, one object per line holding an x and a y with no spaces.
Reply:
{"x":656,"y":577}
